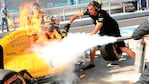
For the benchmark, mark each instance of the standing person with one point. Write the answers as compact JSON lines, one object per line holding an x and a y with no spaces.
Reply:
{"x":4,"y":16}
{"x":36,"y":17}
{"x":105,"y":25}
{"x":143,"y":4}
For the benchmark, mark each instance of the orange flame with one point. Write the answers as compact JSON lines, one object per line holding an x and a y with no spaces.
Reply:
{"x":30,"y":19}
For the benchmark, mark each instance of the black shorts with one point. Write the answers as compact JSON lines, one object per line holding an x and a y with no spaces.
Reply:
{"x":112,"y":51}
{"x":120,"y":44}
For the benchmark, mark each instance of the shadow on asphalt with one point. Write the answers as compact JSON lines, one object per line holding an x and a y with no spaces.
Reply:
{"x":102,"y":73}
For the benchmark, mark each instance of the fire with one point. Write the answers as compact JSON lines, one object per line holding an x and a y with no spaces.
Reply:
{"x":30,"y":19}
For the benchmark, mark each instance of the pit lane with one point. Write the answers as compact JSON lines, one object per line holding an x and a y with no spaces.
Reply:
{"x":103,"y":74}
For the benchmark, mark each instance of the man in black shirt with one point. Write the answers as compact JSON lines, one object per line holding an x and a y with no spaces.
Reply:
{"x":104,"y":24}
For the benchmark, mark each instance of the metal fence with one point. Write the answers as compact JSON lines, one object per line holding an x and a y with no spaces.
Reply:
{"x":65,"y":8}
{"x":13,"y":5}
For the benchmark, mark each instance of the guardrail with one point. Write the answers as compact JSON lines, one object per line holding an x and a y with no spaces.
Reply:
{"x":65,"y":12}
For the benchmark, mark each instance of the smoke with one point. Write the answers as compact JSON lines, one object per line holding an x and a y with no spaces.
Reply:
{"x":62,"y":55}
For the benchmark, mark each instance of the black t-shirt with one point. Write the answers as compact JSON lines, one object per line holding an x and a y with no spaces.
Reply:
{"x":110,"y":26}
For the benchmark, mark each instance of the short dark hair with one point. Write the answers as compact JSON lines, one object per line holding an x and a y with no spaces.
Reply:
{"x":36,"y":4}
{"x":96,"y":5}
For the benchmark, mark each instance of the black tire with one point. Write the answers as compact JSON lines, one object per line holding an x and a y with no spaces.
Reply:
{"x":1,"y":58}
{"x":110,"y":52}
{"x":11,"y":77}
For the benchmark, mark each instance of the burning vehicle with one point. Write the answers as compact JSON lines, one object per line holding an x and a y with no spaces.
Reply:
{"x":19,"y":64}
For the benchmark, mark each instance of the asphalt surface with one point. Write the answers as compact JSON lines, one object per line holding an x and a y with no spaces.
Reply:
{"x":103,"y":73}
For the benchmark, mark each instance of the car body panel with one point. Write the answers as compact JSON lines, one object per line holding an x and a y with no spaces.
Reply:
{"x":18,"y":56}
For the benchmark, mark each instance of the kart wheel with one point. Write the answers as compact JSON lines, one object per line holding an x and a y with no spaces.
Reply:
{"x":1,"y":58}
{"x":10,"y":77}
{"x":110,"y":52}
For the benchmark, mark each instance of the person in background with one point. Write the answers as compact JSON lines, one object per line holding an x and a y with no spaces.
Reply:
{"x":143,"y":4}
{"x":35,"y":9}
{"x":36,"y":18}
{"x":104,"y":25}
{"x":4,"y":16}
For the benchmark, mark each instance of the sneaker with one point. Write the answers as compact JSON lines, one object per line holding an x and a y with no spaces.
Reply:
{"x":87,"y":67}
{"x":113,"y":63}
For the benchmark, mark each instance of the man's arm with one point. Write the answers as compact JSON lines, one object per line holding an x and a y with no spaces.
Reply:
{"x":2,"y":12}
{"x":75,"y":17}
{"x":97,"y":28}
{"x":141,"y":30}
{"x":67,"y":26}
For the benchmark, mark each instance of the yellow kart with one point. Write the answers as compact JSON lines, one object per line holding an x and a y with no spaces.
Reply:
{"x":18,"y":64}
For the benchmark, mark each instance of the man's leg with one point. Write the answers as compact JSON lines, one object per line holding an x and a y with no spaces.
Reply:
{"x":2,"y":24}
{"x":128,"y":51}
{"x":92,"y":55}
{"x":92,"y":58}
{"x":6,"y":22}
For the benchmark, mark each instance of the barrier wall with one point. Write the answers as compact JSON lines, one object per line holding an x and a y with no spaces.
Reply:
{"x":13,"y":5}
{"x":56,"y":3}
{"x":84,"y":1}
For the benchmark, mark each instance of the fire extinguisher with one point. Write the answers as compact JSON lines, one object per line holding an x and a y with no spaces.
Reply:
{"x":140,"y":55}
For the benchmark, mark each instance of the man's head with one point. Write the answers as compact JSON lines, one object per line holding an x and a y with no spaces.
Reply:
{"x":51,"y":22}
{"x":56,"y":20}
{"x":94,"y":7}
{"x":35,"y":7}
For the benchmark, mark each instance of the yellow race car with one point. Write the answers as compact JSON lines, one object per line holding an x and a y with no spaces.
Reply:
{"x":18,"y":64}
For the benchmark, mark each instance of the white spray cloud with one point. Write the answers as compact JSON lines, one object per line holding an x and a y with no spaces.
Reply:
{"x":67,"y":51}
